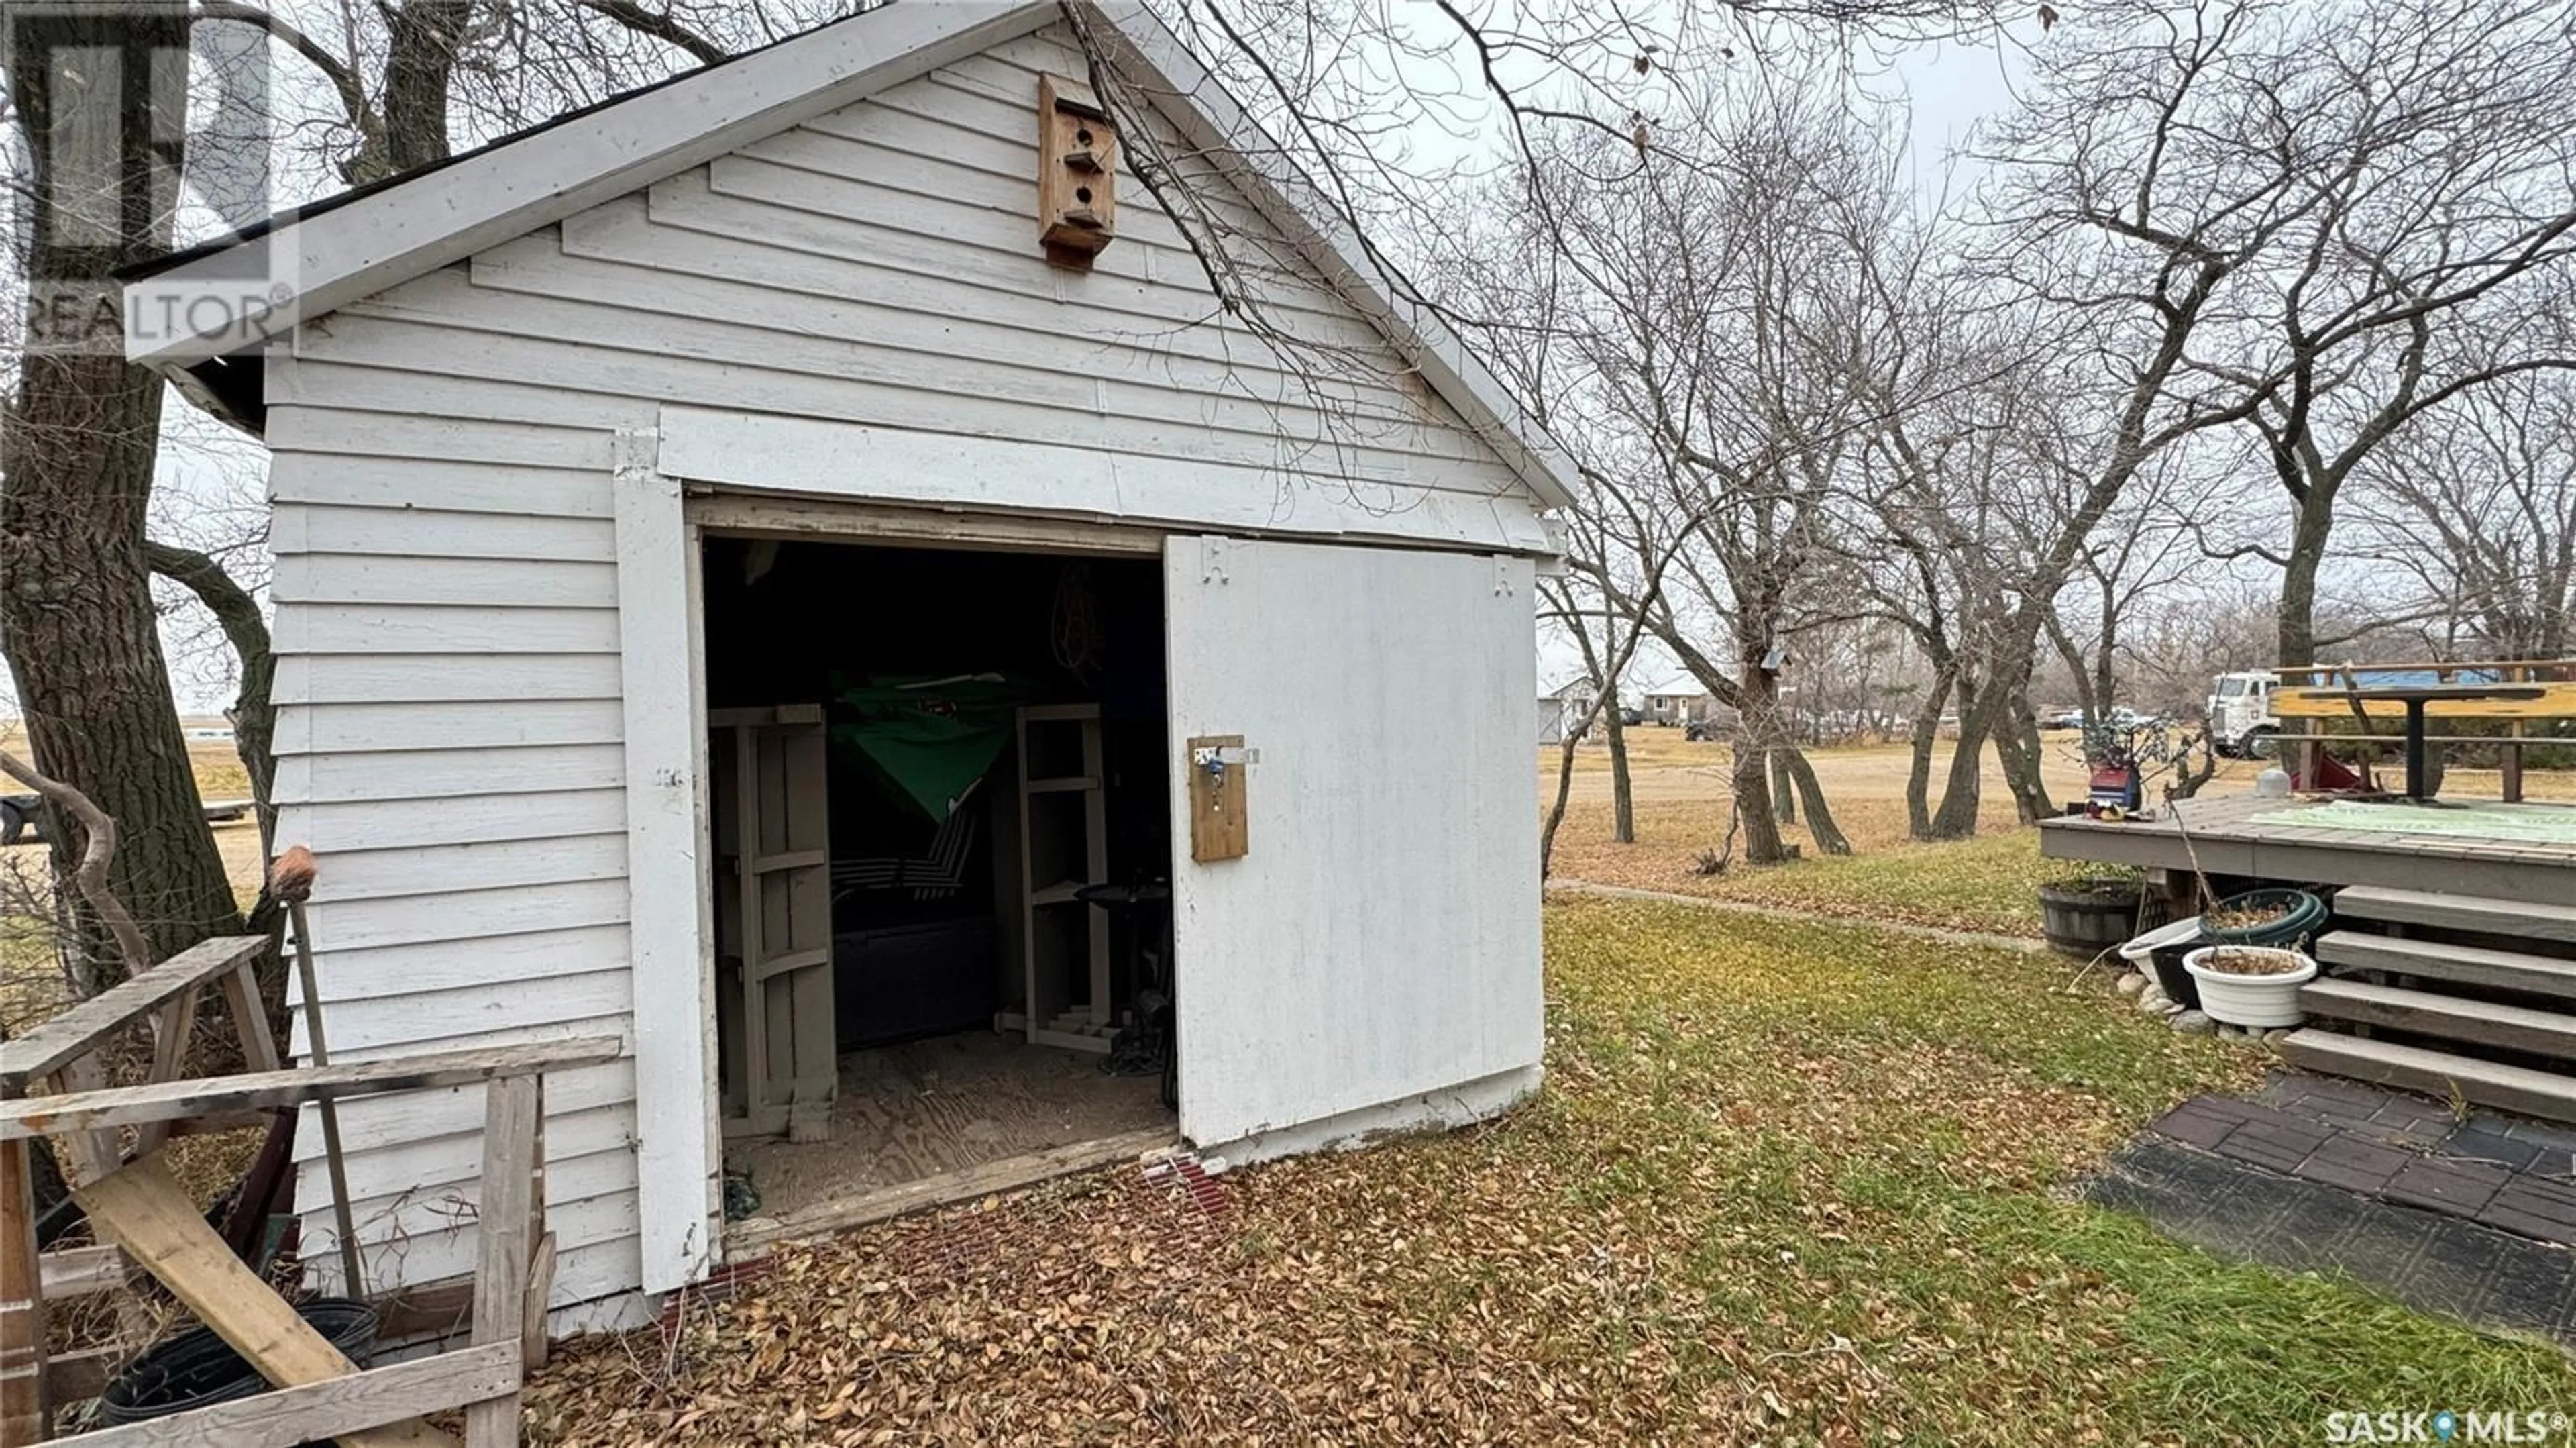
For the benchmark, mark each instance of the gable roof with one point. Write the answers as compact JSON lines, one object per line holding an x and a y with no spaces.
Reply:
{"x":362,"y":242}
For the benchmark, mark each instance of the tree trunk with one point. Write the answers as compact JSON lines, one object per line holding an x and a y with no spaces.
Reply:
{"x":2017,"y":749}
{"x":1757,"y":733}
{"x":1556,"y":812}
{"x":1918,"y":774}
{"x":1752,"y":785}
{"x":1623,"y":803}
{"x":1621,"y":797}
{"x":77,"y":625}
{"x":2298,"y":620}
{"x":1962,"y":790}
{"x":1821,"y":828}
{"x":1784,"y":796}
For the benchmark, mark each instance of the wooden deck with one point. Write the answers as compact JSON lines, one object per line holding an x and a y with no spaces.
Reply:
{"x":2224,"y":836}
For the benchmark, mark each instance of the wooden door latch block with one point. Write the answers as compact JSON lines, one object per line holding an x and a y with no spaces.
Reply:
{"x":1220,"y":817}
{"x":1077,"y":172}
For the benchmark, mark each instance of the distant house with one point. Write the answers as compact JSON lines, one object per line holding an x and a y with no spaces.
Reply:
{"x":1676,"y":702}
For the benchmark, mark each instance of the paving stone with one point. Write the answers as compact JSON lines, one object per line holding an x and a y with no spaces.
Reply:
{"x":2477,"y":1144}
{"x":2548,"y":1136}
{"x":2534,"y":1207}
{"x":2299,"y":1136}
{"x":2261,"y":1153}
{"x":2188,"y":1122}
{"x":2462,"y":1188}
{"x":2354,"y":1164}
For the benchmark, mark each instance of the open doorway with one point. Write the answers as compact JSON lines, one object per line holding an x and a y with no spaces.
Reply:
{"x":941,"y":838}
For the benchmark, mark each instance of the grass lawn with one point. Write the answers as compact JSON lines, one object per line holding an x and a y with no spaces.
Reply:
{"x":1988,"y":884}
{"x":1784,"y":1185}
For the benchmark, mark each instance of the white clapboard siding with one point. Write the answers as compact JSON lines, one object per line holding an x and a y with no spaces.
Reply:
{"x":452,"y":820}
{"x":427,"y":531}
{"x":482,"y":865}
{"x":1119,"y":373}
{"x":355,"y":729}
{"x":397,"y":969}
{"x":537,"y":769}
{"x":442,"y":678}
{"x":451,"y":721}
{"x":588,"y":1199}
{"x":1104,"y":337}
{"x":598,"y":349}
{"x":391,"y":411}
{"x":502,"y":910}
{"x":358,"y":578}
{"x":457,"y":485}
{"x":314,"y":440}
{"x":461,"y":1020}
{"x":391,"y":628}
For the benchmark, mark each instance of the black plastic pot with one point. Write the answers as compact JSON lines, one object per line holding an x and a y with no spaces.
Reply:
{"x":2166,"y":946}
{"x":197,"y":1369}
{"x":2087,"y":921}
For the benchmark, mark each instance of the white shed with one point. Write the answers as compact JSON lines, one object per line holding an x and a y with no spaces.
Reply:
{"x":719,"y":494}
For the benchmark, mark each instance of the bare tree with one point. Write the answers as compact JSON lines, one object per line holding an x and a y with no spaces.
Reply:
{"x":1713,"y":360}
{"x":2474,"y":505}
{"x":2380,"y":197}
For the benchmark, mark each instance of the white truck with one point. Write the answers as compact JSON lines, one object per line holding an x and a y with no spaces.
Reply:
{"x":2240,"y":715}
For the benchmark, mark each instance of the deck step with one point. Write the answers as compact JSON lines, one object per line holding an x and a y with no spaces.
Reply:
{"x":2527,"y":919}
{"x":2547,"y":975}
{"x":2435,"y":1073}
{"x":2423,"y":1013}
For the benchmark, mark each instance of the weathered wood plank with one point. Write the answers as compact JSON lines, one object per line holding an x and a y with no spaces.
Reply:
{"x":2423,"y":1013}
{"x":327,"y":1409}
{"x":22,"y":1305}
{"x":133,"y":1105}
{"x":58,"y":1042}
{"x":143,"y":1209}
{"x":2435,"y":1073}
{"x":501,"y":1258}
{"x":756,"y":1235}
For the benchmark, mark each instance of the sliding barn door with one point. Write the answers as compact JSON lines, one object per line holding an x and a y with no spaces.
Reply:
{"x":1377,"y":937}
{"x":772,"y":802}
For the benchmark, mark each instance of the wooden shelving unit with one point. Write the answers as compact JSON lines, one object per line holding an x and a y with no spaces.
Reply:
{"x":1064,"y":845}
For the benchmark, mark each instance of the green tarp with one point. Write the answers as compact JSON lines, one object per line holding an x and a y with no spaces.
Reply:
{"x":929,"y":738}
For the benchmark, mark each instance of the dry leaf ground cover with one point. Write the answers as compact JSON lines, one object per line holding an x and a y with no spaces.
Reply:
{"x":1801,"y":1186}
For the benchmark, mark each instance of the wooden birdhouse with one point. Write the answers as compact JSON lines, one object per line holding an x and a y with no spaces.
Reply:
{"x":1077,"y":172}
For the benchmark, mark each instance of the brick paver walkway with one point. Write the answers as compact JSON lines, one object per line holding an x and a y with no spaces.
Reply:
{"x":2472,"y":1219}
{"x":2515,"y":1176}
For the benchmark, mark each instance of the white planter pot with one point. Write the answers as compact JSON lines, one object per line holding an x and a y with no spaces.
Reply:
{"x":2261,"y":1001}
